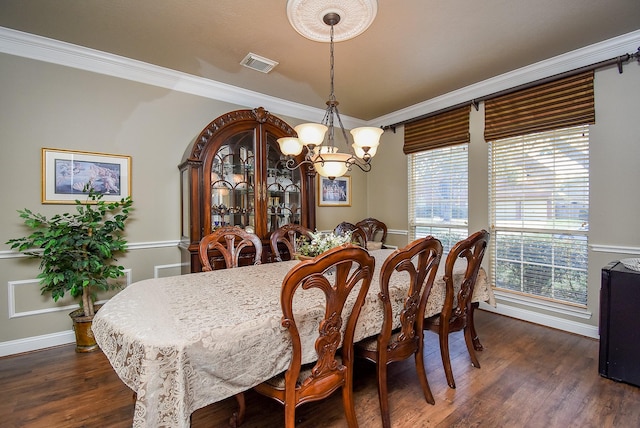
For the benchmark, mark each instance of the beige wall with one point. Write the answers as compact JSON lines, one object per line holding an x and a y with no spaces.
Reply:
{"x":387,"y":187}
{"x":47,"y":105}
{"x":615,"y":173}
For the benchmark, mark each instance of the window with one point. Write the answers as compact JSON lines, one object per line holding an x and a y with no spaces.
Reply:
{"x":438,"y":194}
{"x":539,"y":207}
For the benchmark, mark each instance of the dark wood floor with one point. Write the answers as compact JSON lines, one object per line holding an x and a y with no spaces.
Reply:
{"x":531,"y":376}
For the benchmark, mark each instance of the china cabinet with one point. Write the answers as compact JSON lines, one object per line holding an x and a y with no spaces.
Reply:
{"x":234,"y":174}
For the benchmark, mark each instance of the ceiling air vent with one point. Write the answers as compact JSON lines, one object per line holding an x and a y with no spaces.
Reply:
{"x":258,"y":63}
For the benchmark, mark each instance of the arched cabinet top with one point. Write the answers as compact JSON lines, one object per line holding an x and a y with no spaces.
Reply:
{"x":230,"y":123}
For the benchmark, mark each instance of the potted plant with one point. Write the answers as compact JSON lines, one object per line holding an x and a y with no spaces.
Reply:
{"x":77,"y":254}
{"x":319,"y":243}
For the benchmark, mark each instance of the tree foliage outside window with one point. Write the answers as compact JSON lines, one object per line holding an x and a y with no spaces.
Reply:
{"x":438,"y":194}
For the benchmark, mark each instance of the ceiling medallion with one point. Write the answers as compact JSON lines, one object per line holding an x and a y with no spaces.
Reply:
{"x":306,"y":17}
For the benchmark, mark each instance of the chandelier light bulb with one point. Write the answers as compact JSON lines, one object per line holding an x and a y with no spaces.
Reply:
{"x":290,"y":146}
{"x":333,"y":165}
{"x":311,"y":133}
{"x":360,"y":153}
{"x":323,"y":150}
{"x":367,"y":136}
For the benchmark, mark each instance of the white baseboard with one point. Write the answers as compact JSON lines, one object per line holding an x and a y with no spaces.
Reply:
{"x":36,"y":343}
{"x":543,"y":319}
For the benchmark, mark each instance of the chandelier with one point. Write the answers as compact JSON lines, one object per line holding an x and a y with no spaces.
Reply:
{"x":321,"y":154}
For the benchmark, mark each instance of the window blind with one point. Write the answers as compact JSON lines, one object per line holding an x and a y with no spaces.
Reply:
{"x":438,"y":194}
{"x":539,"y":208}
{"x":562,"y":103}
{"x":444,"y":129}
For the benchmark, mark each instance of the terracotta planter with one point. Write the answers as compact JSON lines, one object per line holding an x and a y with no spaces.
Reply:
{"x":85,"y":342}
{"x":302,"y":258}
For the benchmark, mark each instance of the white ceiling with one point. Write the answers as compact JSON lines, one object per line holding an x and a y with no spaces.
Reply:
{"x":415,"y":50}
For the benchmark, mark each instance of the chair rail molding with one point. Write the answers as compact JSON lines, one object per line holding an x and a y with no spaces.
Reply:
{"x":605,"y":248}
{"x":10,"y":254}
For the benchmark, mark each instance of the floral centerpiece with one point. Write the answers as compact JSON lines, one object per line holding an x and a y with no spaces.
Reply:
{"x":319,"y":243}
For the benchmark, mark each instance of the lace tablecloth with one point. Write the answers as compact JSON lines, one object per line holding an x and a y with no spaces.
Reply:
{"x":184,"y":342}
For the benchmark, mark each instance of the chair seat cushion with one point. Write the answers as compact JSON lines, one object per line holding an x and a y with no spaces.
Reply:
{"x":374,"y":245}
{"x":371,"y":343}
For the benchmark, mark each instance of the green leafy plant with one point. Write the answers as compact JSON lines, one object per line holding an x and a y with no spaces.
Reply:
{"x":77,"y":250}
{"x":320,"y":242}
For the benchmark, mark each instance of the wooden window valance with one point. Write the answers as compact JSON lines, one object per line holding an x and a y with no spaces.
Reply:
{"x":559,"y":104}
{"x":441,"y":130}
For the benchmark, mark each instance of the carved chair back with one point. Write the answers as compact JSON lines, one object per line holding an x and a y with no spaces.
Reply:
{"x":357,"y":234}
{"x":457,"y":312}
{"x":229,"y":241}
{"x":287,"y":235}
{"x":374,"y":229}
{"x":419,"y":260}
{"x":343,"y":275}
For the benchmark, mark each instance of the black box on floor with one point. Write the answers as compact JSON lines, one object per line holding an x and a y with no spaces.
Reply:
{"x":620,"y":324}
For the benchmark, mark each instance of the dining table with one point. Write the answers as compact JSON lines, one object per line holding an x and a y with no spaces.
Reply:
{"x":184,"y":342}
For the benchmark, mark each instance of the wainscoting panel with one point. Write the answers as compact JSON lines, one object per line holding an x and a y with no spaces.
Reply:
{"x":24,"y":291}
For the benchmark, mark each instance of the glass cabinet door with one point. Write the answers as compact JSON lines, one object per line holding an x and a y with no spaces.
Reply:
{"x":283,"y":189}
{"x":233,"y":183}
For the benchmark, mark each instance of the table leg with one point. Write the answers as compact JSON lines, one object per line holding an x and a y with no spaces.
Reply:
{"x":238,"y":417}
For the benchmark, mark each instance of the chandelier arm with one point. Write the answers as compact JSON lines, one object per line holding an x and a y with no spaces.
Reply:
{"x":292,"y":164}
{"x":366,"y":167}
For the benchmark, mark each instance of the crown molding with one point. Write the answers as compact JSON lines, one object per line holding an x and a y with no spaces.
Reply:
{"x":44,"y":49}
{"x":40,"y":48}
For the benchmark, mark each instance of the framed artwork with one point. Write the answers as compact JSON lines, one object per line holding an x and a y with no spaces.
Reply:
{"x":334,"y":193}
{"x":65,"y":174}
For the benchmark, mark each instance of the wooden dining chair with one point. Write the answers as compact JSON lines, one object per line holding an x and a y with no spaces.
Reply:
{"x":229,"y":241}
{"x":357,"y":234}
{"x":374,"y":230}
{"x":342,"y":274}
{"x":420,"y":260}
{"x":288,"y":236}
{"x":457,"y":313}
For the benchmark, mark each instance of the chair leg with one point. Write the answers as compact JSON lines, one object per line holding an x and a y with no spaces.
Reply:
{"x":472,"y":352}
{"x":383,"y":393}
{"x":444,"y":352}
{"x":471,"y":324}
{"x":238,"y":417}
{"x":289,"y":415}
{"x":422,"y":375}
{"x":349,"y":406}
